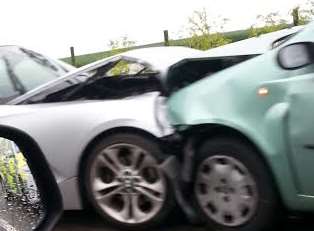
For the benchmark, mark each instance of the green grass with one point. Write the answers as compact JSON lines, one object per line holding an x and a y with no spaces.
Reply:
{"x":82,"y":60}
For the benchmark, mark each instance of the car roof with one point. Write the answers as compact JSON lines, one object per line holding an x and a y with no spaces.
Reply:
{"x":252,"y":46}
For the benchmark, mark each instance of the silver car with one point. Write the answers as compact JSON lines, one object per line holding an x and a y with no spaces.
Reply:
{"x":101,"y":128}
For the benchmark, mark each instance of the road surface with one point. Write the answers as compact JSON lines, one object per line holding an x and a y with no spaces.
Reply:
{"x":84,"y":221}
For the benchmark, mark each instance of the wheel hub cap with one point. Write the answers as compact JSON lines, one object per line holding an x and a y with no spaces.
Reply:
{"x":226,"y":191}
{"x":129,"y":179}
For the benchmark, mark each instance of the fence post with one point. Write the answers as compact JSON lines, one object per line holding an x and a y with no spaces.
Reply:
{"x":166,"y":38}
{"x":72,"y":56}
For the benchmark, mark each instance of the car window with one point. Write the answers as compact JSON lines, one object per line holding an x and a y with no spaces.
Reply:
{"x":22,"y":70}
{"x":32,"y":75}
{"x":6,"y":87}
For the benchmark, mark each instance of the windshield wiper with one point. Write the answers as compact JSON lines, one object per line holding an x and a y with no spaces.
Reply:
{"x":17,"y":85}
{"x":39,"y":59}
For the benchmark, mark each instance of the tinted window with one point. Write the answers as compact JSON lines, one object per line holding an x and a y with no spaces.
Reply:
{"x":22,"y":70}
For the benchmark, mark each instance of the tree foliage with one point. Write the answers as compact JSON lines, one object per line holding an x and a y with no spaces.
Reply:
{"x":303,"y":14}
{"x":120,"y":43}
{"x":268,"y":23}
{"x":204,"y":34}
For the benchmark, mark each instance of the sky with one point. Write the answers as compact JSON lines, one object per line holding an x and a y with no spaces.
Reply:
{"x":52,"y":26}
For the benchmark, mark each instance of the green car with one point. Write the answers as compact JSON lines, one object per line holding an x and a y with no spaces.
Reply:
{"x":249,"y":133}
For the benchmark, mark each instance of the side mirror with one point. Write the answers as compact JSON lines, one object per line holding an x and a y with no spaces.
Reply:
{"x":296,"y":55}
{"x":29,"y":195}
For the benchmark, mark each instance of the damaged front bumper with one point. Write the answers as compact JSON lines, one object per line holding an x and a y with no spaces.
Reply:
{"x":179,"y":175}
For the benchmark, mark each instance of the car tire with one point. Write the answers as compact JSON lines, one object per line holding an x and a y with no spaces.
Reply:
{"x":233,"y":188}
{"x":123,"y":183}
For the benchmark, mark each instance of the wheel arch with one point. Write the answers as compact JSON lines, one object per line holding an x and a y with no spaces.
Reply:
{"x":205,"y":131}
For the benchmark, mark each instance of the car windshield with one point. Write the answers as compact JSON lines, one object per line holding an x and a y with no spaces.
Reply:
{"x":22,"y":70}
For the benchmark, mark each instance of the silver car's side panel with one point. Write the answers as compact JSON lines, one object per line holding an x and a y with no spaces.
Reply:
{"x":71,"y":194}
{"x":63,"y":130}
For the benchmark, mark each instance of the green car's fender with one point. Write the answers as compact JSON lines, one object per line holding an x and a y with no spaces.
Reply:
{"x":273,"y":148}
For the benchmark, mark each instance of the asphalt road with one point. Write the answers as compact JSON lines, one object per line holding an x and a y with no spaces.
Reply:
{"x":84,"y":221}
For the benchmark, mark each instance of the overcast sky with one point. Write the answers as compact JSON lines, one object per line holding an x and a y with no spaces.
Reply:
{"x":52,"y":26}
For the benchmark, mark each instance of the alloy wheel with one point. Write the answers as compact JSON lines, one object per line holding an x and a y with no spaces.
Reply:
{"x":127,"y":183}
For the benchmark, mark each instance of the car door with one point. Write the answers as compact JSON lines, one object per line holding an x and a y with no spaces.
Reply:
{"x":295,"y":56}
{"x":301,"y":129}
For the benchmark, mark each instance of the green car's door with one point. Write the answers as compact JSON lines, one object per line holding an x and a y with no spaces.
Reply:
{"x":300,"y":120}
{"x":301,"y":130}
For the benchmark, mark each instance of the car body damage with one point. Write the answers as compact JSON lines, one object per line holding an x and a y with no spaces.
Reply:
{"x":66,"y":116}
{"x":269,"y":106}
{"x":123,"y":93}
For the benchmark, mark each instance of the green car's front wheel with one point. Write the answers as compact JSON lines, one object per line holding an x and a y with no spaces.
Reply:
{"x":233,"y":189}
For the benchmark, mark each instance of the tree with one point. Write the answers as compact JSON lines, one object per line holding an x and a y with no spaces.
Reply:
{"x":303,"y":14}
{"x":121,"y":43}
{"x":268,"y":23}
{"x":204,"y":33}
